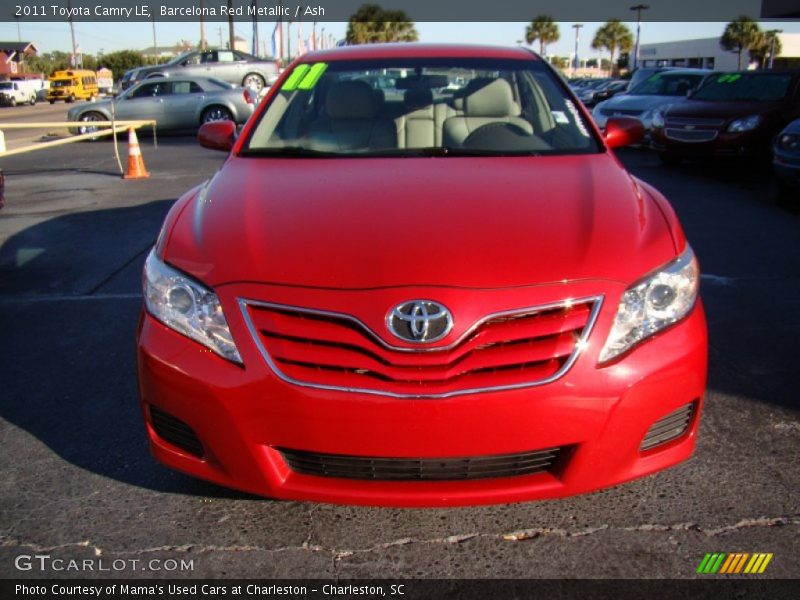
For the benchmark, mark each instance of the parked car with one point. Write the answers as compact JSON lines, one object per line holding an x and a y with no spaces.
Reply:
{"x":232,"y":66}
{"x":437,"y":300}
{"x":786,"y":157}
{"x":176,"y":103}
{"x":609,"y":90}
{"x":732,"y":115}
{"x":642,"y":101}
{"x":586,"y":91}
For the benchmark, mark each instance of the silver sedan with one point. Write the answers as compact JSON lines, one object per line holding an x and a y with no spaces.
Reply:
{"x":175,"y":103}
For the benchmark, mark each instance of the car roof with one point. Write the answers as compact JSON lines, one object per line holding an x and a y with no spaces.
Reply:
{"x":415,"y":50}
{"x":198,"y":78}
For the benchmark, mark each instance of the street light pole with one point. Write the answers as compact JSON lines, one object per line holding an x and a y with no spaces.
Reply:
{"x":576,"y":64}
{"x":638,"y":8}
{"x":775,"y":33}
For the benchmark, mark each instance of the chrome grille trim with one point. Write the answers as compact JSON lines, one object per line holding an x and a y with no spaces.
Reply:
{"x":696,"y":121}
{"x":691,"y":135}
{"x":597,"y":302}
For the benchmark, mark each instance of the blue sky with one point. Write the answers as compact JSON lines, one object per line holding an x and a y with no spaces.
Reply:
{"x":107,"y":37}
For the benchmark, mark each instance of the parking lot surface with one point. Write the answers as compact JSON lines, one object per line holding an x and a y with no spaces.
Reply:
{"x":78,"y":481}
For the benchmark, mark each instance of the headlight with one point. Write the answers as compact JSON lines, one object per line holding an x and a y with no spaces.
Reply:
{"x":789,"y":141}
{"x":658,"y":116}
{"x":187,"y":307}
{"x":746,"y":124}
{"x":652,"y":304}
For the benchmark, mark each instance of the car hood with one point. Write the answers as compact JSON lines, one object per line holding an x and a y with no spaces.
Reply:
{"x":636,"y":102}
{"x":793,"y":127}
{"x":722,"y":110}
{"x":381,"y":222}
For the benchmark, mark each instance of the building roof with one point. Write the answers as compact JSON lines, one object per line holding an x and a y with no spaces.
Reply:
{"x":23,"y":47}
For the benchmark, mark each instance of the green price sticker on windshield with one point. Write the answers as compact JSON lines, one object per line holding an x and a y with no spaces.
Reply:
{"x":728,"y":78}
{"x":304,"y":77}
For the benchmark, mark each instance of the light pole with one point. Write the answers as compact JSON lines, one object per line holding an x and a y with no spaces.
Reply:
{"x":576,"y":64}
{"x":638,"y":8}
{"x":774,"y":34}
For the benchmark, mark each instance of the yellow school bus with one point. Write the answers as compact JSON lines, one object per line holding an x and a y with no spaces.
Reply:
{"x":72,"y":85}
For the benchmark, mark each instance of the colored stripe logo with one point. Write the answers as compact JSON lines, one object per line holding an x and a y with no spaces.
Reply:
{"x":723,"y":563}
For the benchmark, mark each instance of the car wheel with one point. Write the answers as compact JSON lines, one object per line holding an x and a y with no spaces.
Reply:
{"x":52,"y":101}
{"x":71,"y":99}
{"x":669,"y":159}
{"x":216,"y":113}
{"x":33,"y":100}
{"x":254,"y":81}
{"x":89,"y":117}
{"x":12,"y":102}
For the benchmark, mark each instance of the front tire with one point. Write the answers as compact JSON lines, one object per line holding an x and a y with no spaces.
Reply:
{"x":89,"y":117}
{"x":215,"y":113}
{"x":71,"y":99}
{"x":33,"y":100}
{"x":12,"y":102}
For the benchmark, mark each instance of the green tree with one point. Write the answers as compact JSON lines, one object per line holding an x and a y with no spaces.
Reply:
{"x":613,"y":36}
{"x":371,"y":24}
{"x":740,"y":35}
{"x":766,"y":42}
{"x":122,"y":61}
{"x":560,"y":62}
{"x":544,"y":29}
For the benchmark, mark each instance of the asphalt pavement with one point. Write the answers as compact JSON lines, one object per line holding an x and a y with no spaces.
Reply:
{"x":78,"y":482}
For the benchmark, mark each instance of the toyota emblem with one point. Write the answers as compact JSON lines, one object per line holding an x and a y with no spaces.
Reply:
{"x":419,"y":321}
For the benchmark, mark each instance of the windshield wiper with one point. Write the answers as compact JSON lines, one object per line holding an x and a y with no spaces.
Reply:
{"x":290,"y":152}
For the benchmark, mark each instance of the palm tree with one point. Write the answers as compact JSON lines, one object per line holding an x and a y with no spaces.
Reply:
{"x":544,"y":29}
{"x":766,"y":43}
{"x":613,"y":36}
{"x":740,"y":35}
{"x":371,"y":24}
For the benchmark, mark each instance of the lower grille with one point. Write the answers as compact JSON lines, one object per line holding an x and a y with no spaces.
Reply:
{"x":416,"y":469}
{"x":691,"y":135}
{"x":175,"y":431}
{"x":669,"y":428}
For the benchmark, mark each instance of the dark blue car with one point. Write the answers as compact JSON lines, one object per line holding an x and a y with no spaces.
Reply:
{"x":786,"y":156}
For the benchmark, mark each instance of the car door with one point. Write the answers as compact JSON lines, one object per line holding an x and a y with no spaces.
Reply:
{"x":146,"y":101}
{"x":183,"y":104}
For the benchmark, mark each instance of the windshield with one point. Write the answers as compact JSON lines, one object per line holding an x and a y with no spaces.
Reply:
{"x":742,"y":87}
{"x":6,"y":85}
{"x":413,"y":107}
{"x":62,"y":83}
{"x":667,"y":84}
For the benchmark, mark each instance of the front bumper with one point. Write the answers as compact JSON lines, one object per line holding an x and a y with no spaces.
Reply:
{"x":242,"y":415}
{"x":787,"y":168}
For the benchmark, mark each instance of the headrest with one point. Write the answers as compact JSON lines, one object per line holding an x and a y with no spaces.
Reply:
{"x":492,"y":100}
{"x":350,"y":100}
{"x":415,"y":99}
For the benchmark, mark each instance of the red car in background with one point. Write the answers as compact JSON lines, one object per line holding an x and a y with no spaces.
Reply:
{"x":731,"y":115}
{"x":421,"y":278}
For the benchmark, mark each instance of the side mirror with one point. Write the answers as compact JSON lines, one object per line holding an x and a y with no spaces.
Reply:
{"x":623,"y":131}
{"x":217,"y":135}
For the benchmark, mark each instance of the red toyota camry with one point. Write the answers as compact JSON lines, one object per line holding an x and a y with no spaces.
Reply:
{"x":421,"y":278}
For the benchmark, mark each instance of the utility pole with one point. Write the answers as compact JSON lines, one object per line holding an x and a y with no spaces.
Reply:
{"x":202,"y":25}
{"x":72,"y":32}
{"x":155,"y":45}
{"x":576,"y":65}
{"x":255,"y":27}
{"x":231,"y":36}
{"x":638,"y":8}
{"x":19,"y":31}
{"x":322,"y":39}
{"x":289,"y":41}
{"x":219,"y":31}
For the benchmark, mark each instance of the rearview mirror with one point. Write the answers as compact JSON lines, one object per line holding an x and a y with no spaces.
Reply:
{"x":623,"y":131}
{"x":217,"y":135}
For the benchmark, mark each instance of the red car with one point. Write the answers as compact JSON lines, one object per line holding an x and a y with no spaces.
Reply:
{"x":421,"y":278}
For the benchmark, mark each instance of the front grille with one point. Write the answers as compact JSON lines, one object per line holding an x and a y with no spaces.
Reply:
{"x":427,"y":469}
{"x":668,"y":428}
{"x":691,"y":135}
{"x":175,"y":431}
{"x":336,"y":351}
{"x":694,"y":121}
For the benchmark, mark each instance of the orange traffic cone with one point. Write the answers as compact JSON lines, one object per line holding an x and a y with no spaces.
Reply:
{"x":136,"y":168}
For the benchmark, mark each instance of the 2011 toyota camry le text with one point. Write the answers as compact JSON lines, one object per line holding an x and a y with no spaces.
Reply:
{"x":421,"y":278}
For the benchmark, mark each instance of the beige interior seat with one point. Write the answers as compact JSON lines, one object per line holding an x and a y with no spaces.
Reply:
{"x":484,"y":102}
{"x":352,"y":121}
